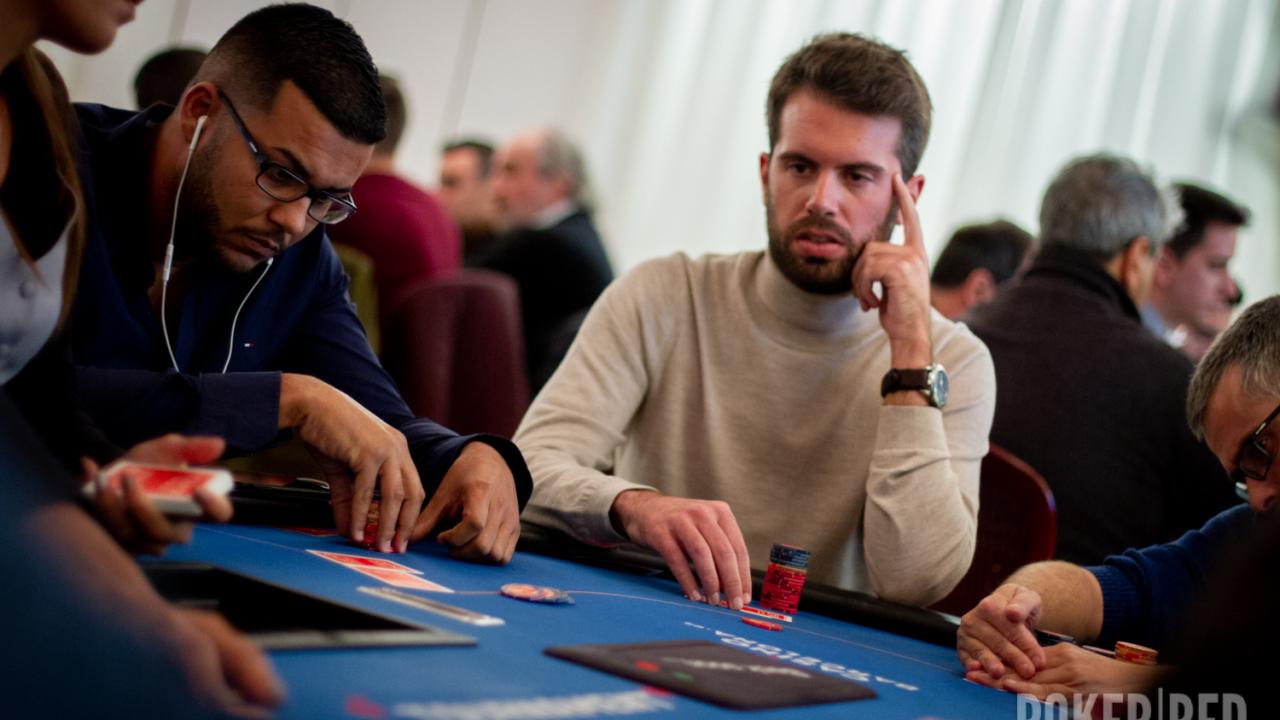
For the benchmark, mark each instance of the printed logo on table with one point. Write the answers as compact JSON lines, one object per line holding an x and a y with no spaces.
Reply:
{"x":1114,"y":706}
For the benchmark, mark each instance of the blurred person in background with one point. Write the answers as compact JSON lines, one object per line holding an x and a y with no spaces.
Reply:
{"x":976,"y":263}
{"x":466,"y":172}
{"x":403,"y":228}
{"x":164,"y":76}
{"x":552,"y":249}
{"x":1192,"y":291}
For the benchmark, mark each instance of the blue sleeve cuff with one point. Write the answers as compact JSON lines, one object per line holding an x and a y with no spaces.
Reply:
{"x":515,"y":462}
{"x":434,"y":459}
{"x":242,"y":407}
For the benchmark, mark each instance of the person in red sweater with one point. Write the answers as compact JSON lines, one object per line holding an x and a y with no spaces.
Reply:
{"x":404,"y":229}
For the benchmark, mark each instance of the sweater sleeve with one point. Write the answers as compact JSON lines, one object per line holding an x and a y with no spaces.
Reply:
{"x":1147,"y":592}
{"x":579,"y":419}
{"x":921,"y":518}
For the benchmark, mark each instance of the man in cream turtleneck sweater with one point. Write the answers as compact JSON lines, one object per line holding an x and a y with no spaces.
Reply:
{"x":711,"y":407}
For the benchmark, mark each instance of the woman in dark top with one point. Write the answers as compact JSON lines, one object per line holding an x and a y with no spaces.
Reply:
{"x":91,"y":600}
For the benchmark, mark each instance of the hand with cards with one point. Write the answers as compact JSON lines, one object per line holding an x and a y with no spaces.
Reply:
{"x":150,"y":498}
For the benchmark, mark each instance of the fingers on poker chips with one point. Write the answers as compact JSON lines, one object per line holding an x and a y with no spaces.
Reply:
{"x":370,"y":541}
{"x":536,"y":594}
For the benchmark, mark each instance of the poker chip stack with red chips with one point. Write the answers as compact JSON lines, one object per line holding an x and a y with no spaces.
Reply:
{"x":1136,"y":654}
{"x":784,"y":578}
{"x":371,"y":526}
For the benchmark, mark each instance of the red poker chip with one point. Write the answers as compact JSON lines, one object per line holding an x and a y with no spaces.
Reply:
{"x":536,"y":594}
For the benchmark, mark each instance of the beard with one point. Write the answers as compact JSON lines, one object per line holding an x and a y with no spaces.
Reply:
{"x":200,"y":235}
{"x":820,"y":275}
{"x":198,"y":219}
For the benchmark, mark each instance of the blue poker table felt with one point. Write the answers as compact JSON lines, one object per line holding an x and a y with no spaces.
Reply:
{"x":506,"y":675}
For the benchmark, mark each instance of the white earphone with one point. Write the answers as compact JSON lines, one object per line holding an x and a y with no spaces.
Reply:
{"x":168,"y":262}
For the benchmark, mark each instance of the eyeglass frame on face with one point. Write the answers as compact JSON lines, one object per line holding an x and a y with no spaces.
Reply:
{"x":1251,"y":444}
{"x":266,"y":164}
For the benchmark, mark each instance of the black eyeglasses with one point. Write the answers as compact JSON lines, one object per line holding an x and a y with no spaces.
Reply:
{"x":1254,"y":459}
{"x":284,"y":185}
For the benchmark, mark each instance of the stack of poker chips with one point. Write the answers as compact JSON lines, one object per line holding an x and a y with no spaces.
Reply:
{"x":1137,"y":654}
{"x":784,"y":578}
{"x":371,"y":526}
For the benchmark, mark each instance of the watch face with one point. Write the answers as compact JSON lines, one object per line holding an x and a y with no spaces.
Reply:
{"x":940,"y":386}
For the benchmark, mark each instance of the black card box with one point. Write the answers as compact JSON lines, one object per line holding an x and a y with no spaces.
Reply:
{"x":716,"y":673}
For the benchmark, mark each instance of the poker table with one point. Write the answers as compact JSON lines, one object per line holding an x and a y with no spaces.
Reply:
{"x":905,"y":655}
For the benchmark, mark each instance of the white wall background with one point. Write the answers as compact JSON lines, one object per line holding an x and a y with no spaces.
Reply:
{"x":667,"y":96}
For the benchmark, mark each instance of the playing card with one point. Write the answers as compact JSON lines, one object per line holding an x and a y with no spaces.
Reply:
{"x":402,"y":580}
{"x":169,"y":488}
{"x":361,"y":561}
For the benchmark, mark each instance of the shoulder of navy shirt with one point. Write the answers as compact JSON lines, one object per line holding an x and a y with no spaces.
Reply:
{"x":1148,"y":593}
{"x":298,"y":320}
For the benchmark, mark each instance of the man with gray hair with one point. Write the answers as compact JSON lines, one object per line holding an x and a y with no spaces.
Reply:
{"x":552,"y":250}
{"x":1145,"y":595}
{"x":1087,"y":396}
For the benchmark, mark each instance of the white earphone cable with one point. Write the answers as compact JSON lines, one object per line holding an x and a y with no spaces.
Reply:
{"x":231,"y":342}
{"x":168,"y":265}
{"x":168,"y":251}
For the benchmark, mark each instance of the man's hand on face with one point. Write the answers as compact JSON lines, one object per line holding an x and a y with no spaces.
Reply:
{"x":131,"y":518}
{"x":998,"y":632}
{"x":357,"y":451}
{"x":478,"y":496}
{"x":703,"y":533}
{"x":903,"y":274}
{"x":1069,"y":669}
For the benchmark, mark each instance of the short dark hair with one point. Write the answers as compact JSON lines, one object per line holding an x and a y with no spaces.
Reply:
{"x":397,"y":115}
{"x":165,"y":75}
{"x":861,"y":75}
{"x":321,"y":54}
{"x":999,"y":247}
{"x":482,"y":149}
{"x":1201,"y":206}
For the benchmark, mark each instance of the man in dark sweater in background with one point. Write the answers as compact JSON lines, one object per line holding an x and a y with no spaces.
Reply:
{"x":552,"y":250}
{"x":1087,"y":396}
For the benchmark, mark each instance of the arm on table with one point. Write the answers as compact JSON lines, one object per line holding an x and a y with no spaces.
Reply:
{"x":1055,"y":596}
{"x":580,"y":418}
{"x":339,"y":397}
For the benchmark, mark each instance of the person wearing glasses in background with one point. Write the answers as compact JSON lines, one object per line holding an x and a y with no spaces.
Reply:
{"x":212,"y":302}
{"x":1145,"y":595}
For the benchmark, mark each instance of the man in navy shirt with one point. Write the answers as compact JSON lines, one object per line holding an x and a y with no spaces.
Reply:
{"x":1144,"y":596}
{"x":211,"y":301}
